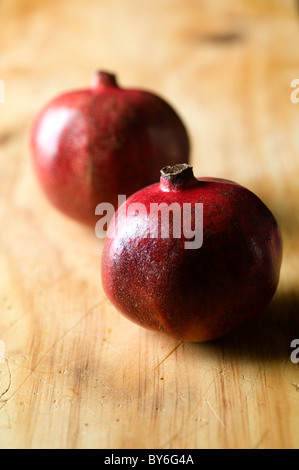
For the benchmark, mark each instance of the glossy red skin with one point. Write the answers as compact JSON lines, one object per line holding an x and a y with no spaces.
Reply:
{"x":195,"y":295}
{"x":91,"y":145}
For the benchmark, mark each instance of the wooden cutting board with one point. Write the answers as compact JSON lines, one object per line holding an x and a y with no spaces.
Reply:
{"x":74,"y":373}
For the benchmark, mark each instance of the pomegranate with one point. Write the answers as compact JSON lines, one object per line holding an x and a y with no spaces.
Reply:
{"x":91,"y":145}
{"x":221,"y":271}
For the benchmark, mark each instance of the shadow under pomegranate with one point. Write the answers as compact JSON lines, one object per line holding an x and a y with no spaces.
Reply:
{"x":265,"y":337}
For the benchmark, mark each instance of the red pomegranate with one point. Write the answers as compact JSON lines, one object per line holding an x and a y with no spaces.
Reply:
{"x":196,"y":292}
{"x":91,"y":145}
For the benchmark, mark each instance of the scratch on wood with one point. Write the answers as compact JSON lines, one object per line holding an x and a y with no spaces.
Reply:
{"x":261,"y":439}
{"x":9,"y":384}
{"x":215,"y":414}
{"x":295,"y":385}
{"x":172,"y":438}
{"x":89,"y":311}
{"x":247,"y":378}
{"x":171,"y":352}
{"x":13,"y":323}
{"x":56,"y":279}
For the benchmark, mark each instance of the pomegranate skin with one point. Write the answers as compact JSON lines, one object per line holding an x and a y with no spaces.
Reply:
{"x":91,"y":145}
{"x":193,"y":294}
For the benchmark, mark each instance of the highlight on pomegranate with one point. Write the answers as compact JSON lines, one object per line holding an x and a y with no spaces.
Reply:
{"x":91,"y":145}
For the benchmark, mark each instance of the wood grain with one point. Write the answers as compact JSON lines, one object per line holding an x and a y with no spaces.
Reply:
{"x":75,"y":373}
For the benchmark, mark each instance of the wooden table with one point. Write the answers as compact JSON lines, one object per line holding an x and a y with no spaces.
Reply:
{"x":74,"y":373}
